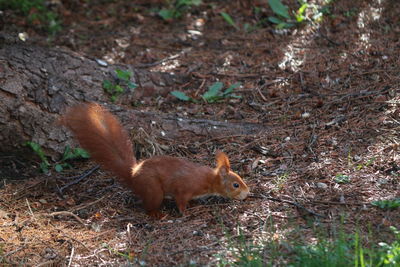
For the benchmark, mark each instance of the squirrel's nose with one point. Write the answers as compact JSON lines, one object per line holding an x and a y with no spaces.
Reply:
{"x":243,"y":194}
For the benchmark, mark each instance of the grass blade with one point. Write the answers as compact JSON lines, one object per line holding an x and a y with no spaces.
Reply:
{"x":279,"y":8}
{"x":229,"y":20}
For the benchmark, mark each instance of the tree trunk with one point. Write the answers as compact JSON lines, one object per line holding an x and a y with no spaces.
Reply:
{"x":38,"y":83}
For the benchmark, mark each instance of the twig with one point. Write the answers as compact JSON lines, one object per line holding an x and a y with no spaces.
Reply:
{"x":339,"y":203}
{"x":65,"y":213}
{"x":200,"y":87}
{"x":83,"y":176}
{"x":184,"y":51}
{"x":312,"y":142}
{"x":129,"y":234}
{"x":29,"y":207}
{"x":220,"y":138}
{"x":70,"y":177}
{"x":73,"y":239}
{"x":359,"y":94}
{"x":83,"y":206}
{"x":26,"y":189}
{"x":11,"y":252}
{"x":97,"y":236}
{"x":297,"y":205}
{"x":261,"y":95}
{"x":275,"y":215}
{"x":71,"y":256}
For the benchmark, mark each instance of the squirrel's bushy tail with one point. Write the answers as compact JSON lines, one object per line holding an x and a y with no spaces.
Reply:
{"x":102,"y":135}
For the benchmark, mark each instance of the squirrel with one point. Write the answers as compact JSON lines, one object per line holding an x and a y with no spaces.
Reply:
{"x":102,"y":135}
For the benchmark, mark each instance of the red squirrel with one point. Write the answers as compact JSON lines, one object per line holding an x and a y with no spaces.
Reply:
{"x":153,"y":179}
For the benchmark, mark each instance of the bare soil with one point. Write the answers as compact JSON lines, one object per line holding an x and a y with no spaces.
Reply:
{"x":327,"y":94}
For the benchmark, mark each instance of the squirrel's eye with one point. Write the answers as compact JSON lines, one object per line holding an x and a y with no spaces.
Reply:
{"x":235,"y":185}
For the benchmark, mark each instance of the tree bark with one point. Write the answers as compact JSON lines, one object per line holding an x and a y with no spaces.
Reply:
{"x":38,"y":83}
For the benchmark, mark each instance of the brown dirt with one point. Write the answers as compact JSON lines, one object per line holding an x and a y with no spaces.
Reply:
{"x":327,"y":93}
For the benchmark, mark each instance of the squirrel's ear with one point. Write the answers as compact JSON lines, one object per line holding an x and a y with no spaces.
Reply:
{"x":222,"y":162}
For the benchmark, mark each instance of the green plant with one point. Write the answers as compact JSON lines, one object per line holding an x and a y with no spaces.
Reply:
{"x":283,"y":19}
{"x":44,"y":164}
{"x":364,"y":165}
{"x":241,"y":252}
{"x":247,"y":27}
{"x":69,"y":154}
{"x":347,"y":250}
{"x":351,"y":12}
{"x":177,"y":8}
{"x":342,"y":178}
{"x":130,"y":257}
{"x":229,"y":20}
{"x":37,"y":13}
{"x":333,"y":249}
{"x":280,"y":181}
{"x":182,"y":96}
{"x":390,"y":253}
{"x":325,"y":252}
{"x":387,"y":204}
{"x":212,"y":95}
{"x":117,"y":88}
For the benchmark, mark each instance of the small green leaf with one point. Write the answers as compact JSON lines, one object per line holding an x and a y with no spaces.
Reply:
{"x":213,"y":99}
{"x":196,"y":2}
{"x":180,"y":95}
{"x":44,"y":166}
{"x":229,"y":19}
{"x":300,"y":12}
{"x":34,"y":146}
{"x":213,"y":91}
{"x":275,"y":20}
{"x":279,"y":8}
{"x":107,"y":85}
{"x":58,"y":168}
{"x":231,"y":88}
{"x":235,"y":96}
{"x":66,"y":165}
{"x":132,"y":85}
{"x":247,"y":27}
{"x":387,"y":204}
{"x":67,"y":154}
{"x":284,"y":25}
{"x":124,"y":75}
{"x":341,"y":179}
{"x":182,"y":4}
{"x":118,"y":89}
{"x":82,"y":153}
{"x":38,"y":151}
{"x":188,"y":2}
{"x":166,"y":14}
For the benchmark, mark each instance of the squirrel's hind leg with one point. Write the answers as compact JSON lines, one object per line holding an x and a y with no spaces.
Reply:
{"x":152,"y":201}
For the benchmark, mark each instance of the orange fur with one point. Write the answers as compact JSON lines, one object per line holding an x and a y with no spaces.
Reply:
{"x":153,"y":179}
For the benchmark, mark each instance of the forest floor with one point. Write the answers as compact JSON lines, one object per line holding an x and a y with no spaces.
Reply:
{"x":326,"y":92}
